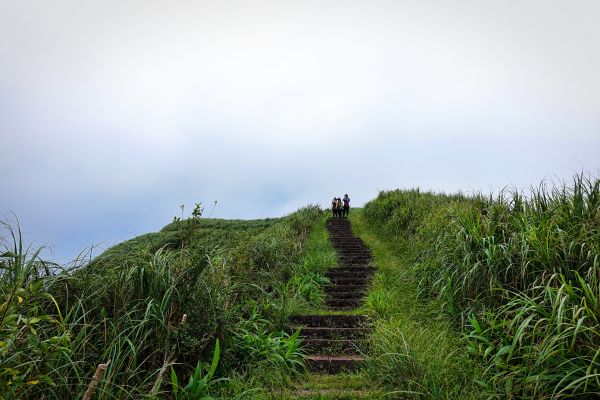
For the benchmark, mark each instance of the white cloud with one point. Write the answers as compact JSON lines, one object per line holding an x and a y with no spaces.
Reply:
{"x":111,"y":104}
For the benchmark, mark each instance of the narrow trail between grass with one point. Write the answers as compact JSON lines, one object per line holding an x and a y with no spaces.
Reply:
{"x":335,"y":338}
{"x":376,"y":339}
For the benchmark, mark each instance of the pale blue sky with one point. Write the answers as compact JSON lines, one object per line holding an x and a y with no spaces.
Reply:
{"x":112,"y":113}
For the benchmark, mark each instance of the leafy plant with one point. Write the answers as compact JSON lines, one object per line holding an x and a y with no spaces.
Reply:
{"x":200,"y":382}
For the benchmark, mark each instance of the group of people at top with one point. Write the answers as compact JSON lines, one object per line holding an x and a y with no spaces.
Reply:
{"x":340,"y":207}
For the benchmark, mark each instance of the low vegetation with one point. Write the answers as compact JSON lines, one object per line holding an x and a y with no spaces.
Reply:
{"x":519,"y":274}
{"x":193,"y":311}
{"x":475,"y":297}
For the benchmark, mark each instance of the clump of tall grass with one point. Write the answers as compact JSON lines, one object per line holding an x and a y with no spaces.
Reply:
{"x":519,"y":272}
{"x":158,"y":302}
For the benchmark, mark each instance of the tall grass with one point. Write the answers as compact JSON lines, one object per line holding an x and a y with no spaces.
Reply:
{"x":160,"y":301}
{"x":520,"y":274}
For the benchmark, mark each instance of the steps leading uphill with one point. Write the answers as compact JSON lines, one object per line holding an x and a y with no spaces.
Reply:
{"x":336,"y":341}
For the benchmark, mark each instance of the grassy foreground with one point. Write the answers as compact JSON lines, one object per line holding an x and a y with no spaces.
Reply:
{"x":476,"y":297}
{"x":194,"y":311}
{"x":415,"y":352}
{"x":519,"y":275}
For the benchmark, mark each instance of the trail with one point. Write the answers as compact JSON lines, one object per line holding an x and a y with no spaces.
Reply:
{"x":335,"y":339}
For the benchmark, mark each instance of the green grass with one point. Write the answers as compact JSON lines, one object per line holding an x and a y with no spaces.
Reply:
{"x":475,"y":297}
{"x":518,"y":274}
{"x":414,"y":352}
{"x":342,"y":386}
{"x":157,"y":302}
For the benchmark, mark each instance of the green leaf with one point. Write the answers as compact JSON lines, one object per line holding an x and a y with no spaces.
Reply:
{"x":215,"y":360}
{"x":174,"y":381}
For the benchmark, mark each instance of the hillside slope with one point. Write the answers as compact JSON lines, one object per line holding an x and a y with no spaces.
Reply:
{"x":519,"y":276}
{"x":149,"y":312}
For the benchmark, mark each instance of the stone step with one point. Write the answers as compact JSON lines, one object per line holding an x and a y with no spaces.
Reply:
{"x":353,"y":268}
{"x":334,"y":273}
{"x":312,"y":332}
{"x":312,"y":394}
{"x":329,"y":289}
{"x":367,"y":258}
{"x":330,"y":320}
{"x":350,"y":303}
{"x":353,"y":249}
{"x":354,"y":260}
{"x":334,"y":346}
{"x":350,"y":281}
{"x":336,"y":309}
{"x":353,"y":264}
{"x":334,"y":364}
{"x":345,"y":295}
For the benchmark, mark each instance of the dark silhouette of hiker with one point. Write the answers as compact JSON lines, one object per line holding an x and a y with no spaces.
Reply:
{"x":334,"y":206}
{"x":346,"y":210}
{"x":339,"y":207}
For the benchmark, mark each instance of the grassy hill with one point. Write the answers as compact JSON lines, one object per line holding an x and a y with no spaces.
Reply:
{"x":474,"y":297}
{"x":198,"y":290}
{"x":517,"y":275}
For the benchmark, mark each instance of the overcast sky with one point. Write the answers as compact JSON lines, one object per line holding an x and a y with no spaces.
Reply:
{"x":112,"y":113}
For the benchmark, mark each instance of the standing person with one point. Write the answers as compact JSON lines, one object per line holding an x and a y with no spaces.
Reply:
{"x":334,"y":206}
{"x":339,"y":207}
{"x":346,"y":205}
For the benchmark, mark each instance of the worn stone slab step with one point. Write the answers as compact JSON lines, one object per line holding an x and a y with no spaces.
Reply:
{"x":330,"y":320}
{"x":346,"y":288}
{"x":334,"y":273}
{"x":354,"y":260}
{"x":354,"y":249}
{"x":353,"y":268}
{"x":334,"y":364}
{"x":345,"y":234}
{"x":315,"y":332}
{"x":344,"y":302}
{"x":338,"y":394}
{"x":342,"y":256}
{"x":350,"y":281}
{"x":345,"y":295}
{"x":353,"y":264}
{"x":334,"y":346}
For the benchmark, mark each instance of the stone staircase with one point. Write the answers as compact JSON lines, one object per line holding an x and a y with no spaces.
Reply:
{"x":335,"y":341}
